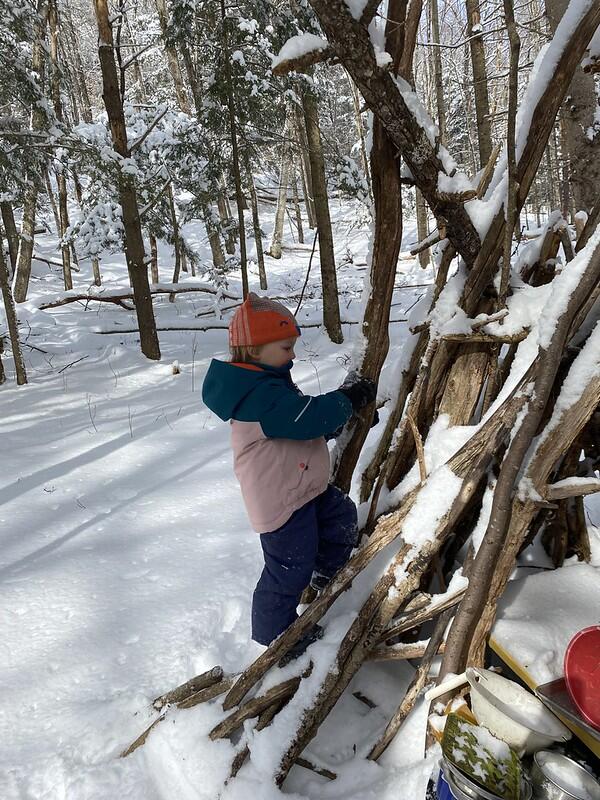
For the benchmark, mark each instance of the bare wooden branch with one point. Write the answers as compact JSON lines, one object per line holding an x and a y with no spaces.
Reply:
{"x":589,"y":227}
{"x":492,"y":338}
{"x":486,"y":175}
{"x":418,"y":682}
{"x":202,"y":696}
{"x":369,"y":12}
{"x":572,"y":488}
{"x":304,"y":62}
{"x":419,"y":447}
{"x":565,"y":240}
{"x":140,"y":141}
{"x":189,"y":687}
{"x":510,"y":206}
{"x":433,"y":238}
{"x":497,"y":317}
{"x":264,"y":720}
{"x":364,"y":700}
{"x":401,"y":652}
{"x":254,"y":707}
{"x":222,"y":326}
{"x":457,"y":197}
{"x":419,"y":617}
{"x":100,"y":297}
{"x":324,"y":773}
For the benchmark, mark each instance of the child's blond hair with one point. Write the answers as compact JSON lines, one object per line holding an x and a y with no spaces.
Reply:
{"x":244,"y":353}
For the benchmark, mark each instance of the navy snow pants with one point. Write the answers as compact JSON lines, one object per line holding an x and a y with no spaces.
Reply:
{"x":318,"y":536}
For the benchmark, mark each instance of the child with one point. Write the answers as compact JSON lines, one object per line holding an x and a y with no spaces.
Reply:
{"x":307,"y":527}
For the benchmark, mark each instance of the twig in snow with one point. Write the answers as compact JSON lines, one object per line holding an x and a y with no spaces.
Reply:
{"x":312,"y":252}
{"x":62,"y":369}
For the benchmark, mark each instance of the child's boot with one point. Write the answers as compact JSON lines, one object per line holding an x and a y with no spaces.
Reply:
{"x":316,"y":632}
{"x":319,"y":581}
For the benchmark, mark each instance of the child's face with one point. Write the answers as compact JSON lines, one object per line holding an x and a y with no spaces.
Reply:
{"x":276,"y":354}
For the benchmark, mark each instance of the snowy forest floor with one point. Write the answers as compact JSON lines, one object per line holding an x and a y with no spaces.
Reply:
{"x":127,"y":562}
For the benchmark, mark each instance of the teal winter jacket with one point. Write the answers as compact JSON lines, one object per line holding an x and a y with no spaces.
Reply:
{"x":280,"y":454}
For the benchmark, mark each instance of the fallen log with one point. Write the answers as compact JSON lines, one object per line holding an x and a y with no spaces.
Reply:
{"x":112,"y":296}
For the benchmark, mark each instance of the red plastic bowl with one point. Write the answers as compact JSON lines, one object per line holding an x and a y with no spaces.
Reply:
{"x":582,"y":673}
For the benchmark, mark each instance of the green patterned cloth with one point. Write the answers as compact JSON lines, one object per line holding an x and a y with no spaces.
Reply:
{"x":485,"y":759}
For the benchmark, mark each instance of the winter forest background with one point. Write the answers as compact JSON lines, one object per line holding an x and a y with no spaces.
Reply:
{"x":419,"y":180}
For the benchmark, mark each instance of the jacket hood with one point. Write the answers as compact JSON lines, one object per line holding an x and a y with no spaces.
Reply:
{"x":227,"y":386}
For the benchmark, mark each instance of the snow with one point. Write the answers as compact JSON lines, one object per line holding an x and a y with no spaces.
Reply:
{"x":584,"y":369}
{"x":572,"y":483}
{"x":298,"y":46}
{"x":356,"y":7}
{"x":459,"y":182}
{"x":484,"y":516}
{"x":128,"y":563}
{"x":419,"y":111}
{"x":593,"y":53}
{"x":562,"y":288}
{"x":433,"y":502}
{"x":539,"y":614}
{"x":568,"y":778}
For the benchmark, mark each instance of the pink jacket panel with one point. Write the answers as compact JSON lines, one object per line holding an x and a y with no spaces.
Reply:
{"x":277,"y":476}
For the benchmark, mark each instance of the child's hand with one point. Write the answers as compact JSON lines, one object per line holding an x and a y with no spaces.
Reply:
{"x":360,"y":391}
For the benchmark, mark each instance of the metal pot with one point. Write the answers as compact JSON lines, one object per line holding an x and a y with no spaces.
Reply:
{"x":556,"y":777}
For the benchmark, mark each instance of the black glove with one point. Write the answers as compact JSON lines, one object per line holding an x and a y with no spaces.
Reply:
{"x":360,"y":391}
{"x":375,"y":419}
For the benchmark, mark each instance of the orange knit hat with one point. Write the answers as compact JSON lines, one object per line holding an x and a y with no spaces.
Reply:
{"x":260,"y":321}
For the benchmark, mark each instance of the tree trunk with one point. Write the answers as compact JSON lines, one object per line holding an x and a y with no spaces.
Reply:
{"x":387,"y":238}
{"x":154,"y":259}
{"x":437,"y":71}
{"x":226,"y":221}
{"x":134,"y":243}
{"x":142,"y":95}
{"x":284,"y":179}
{"x":191,"y":76}
{"x":361,"y":135}
{"x":23,"y":271}
{"x":260,"y":258}
{"x":212,"y":231}
{"x":84,"y":98}
{"x":480,"y":81}
{"x":52,"y":201}
{"x":11,"y":318}
{"x":422,"y":227}
{"x":331,"y":309}
{"x":297,"y":210}
{"x":239,"y":196}
{"x":565,"y":181}
{"x":53,"y":26}
{"x":176,"y":240}
{"x":12,"y":235}
{"x":302,"y":144}
{"x":96,"y":271}
{"x":579,"y":114}
{"x":172,"y":60}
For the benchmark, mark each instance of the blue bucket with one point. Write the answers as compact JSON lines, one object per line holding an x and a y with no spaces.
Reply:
{"x":442,"y":790}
